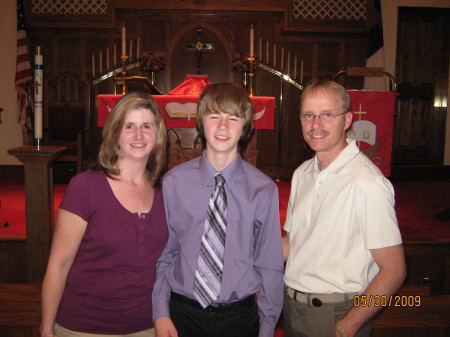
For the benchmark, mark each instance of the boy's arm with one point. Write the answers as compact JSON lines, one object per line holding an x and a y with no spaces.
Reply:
{"x":161,"y":289}
{"x":268,"y":263}
{"x":164,"y":326}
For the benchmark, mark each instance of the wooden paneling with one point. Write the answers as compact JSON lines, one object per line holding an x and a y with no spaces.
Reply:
{"x":422,"y":63}
{"x":326,"y":48}
{"x":13,"y":260}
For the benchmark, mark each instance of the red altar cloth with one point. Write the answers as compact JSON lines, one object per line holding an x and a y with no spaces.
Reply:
{"x":373,"y":125}
{"x":179,"y":111}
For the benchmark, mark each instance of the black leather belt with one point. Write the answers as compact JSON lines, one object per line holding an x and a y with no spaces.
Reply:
{"x":215,"y":307}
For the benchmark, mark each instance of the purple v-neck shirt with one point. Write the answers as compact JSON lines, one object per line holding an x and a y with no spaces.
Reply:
{"x":110,"y":283}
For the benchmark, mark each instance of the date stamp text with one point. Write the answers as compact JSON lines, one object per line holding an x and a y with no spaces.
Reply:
{"x":386,"y":301}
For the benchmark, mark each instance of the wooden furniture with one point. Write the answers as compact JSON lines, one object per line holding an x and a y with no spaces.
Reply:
{"x":414,"y":312}
{"x":179,"y":113}
{"x":67,"y":118}
{"x":38,"y":204}
{"x":368,"y":72}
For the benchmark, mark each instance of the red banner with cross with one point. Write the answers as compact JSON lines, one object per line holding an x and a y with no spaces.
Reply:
{"x":373,"y":124}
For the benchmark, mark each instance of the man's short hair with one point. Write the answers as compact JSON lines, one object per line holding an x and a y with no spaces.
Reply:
{"x":327,"y":85}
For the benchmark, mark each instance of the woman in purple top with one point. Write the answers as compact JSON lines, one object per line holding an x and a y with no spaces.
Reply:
{"x":111,"y":229}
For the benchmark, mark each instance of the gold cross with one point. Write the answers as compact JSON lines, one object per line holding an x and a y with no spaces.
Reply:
{"x":360,"y":112}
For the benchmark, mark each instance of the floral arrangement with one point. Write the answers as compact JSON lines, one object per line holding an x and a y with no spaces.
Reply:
{"x":241,"y":64}
{"x":152,"y":62}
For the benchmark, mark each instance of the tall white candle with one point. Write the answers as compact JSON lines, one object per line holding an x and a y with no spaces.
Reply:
{"x":295,"y":66}
{"x":93,"y":66}
{"x":252,"y":36}
{"x":282,"y":59}
{"x":138,"y":51}
{"x":267,"y":51}
{"x":274,"y":54}
{"x":131,"y":50}
{"x":107,"y":58}
{"x":38,"y":92}
{"x":124,"y":46}
{"x":115,"y":55}
{"x":301,"y":71}
{"x":100,"y":61}
{"x":288,"y":72}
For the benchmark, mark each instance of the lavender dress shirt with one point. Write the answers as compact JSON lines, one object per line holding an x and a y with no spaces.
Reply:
{"x":253,"y":261}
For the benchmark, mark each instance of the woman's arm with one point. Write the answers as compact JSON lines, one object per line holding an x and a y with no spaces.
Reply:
{"x":69,"y":231}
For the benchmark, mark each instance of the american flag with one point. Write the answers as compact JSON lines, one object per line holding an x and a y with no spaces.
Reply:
{"x":23,"y":69}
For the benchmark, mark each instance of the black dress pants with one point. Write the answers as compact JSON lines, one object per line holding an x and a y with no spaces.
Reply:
{"x":236,"y":319}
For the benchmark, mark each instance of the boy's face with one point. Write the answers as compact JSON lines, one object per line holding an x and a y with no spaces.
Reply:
{"x":222,"y":132}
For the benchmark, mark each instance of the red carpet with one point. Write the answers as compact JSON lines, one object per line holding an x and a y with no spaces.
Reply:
{"x":417,"y":204}
{"x":12,"y":208}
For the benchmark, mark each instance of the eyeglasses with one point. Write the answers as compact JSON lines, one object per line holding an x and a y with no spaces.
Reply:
{"x":324,"y":118}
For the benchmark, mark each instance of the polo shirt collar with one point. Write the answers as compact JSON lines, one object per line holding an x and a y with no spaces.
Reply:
{"x":346,"y":155}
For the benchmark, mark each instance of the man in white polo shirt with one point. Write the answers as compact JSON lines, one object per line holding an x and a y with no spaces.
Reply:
{"x":343,"y":246}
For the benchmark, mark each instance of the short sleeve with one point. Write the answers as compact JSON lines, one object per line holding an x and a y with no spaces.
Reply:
{"x":78,"y":196}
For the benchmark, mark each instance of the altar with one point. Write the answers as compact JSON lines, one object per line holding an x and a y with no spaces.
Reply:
{"x":179,"y":111}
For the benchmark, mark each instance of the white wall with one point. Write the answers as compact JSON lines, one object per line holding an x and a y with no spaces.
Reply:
{"x":389,"y":9}
{"x":10,"y":131}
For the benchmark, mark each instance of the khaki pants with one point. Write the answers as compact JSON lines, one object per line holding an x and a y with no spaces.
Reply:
{"x":306,"y":320}
{"x":63,"y":332}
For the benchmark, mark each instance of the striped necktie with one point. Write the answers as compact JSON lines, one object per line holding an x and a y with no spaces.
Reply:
{"x":208,"y":277}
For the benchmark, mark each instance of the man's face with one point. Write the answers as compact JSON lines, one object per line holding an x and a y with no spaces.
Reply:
{"x":327,"y":139}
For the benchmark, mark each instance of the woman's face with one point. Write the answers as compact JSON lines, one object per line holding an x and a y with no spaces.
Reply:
{"x":138,"y":135}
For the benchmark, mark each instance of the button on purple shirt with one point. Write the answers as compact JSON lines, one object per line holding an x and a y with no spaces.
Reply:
{"x":253,"y":261}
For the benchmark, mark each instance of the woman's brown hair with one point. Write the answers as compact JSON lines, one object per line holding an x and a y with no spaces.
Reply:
{"x":109,"y":149}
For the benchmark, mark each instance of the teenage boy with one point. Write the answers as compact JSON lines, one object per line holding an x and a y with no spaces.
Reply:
{"x":221,"y":273}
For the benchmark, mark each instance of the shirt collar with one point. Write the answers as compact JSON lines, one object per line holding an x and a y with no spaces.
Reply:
{"x":346,"y":155}
{"x":230,"y":173}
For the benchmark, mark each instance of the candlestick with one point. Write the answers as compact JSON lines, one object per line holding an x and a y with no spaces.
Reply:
{"x":295,"y":66}
{"x":252,"y":33}
{"x":107,"y":58}
{"x":251,"y":74}
{"x":38,"y":94}
{"x":93,"y":66}
{"x":282,"y":59}
{"x":131,"y":49}
{"x":124,"y":73}
{"x":288,"y":72}
{"x":267,"y":51}
{"x":260,"y":49}
{"x":124,"y":47}
{"x":115,"y":55}
{"x":274,"y":54}
{"x":301,"y":71}
{"x":100,"y":62}
{"x":138,"y":47}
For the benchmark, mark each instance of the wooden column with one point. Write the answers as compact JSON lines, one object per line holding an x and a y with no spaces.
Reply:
{"x":38,"y":169}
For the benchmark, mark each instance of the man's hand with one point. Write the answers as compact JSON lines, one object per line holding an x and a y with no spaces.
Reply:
{"x":164,"y":327}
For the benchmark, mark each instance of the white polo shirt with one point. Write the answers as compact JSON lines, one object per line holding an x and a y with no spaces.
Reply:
{"x":334,"y":217}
